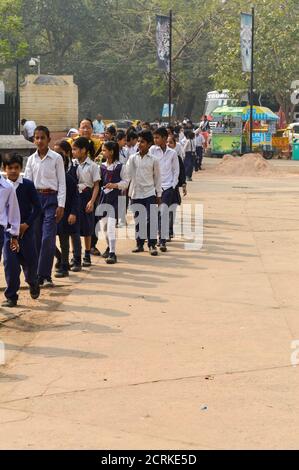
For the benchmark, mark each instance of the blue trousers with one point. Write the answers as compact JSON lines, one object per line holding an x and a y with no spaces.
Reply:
{"x":151,"y":223}
{"x":1,"y":240}
{"x":45,"y":233}
{"x":164,"y":215}
{"x":189,"y":164}
{"x":13,"y":262}
{"x":199,"y":157}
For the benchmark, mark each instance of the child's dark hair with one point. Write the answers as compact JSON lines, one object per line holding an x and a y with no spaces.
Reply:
{"x":43,"y":129}
{"x":132,"y":135}
{"x":120,"y":136}
{"x":162,"y":132}
{"x":189,"y":134}
{"x":13,"y":159}
{"x":130,"y":129}
{"x":147,"y":136}
{"x":83,"y":143}
{"x":67,"y":148}
{"x":112,"y":147}
{"x":111,"y":130}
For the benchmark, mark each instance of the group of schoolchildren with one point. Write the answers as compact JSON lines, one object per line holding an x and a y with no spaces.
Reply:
{"x":73,"y":191}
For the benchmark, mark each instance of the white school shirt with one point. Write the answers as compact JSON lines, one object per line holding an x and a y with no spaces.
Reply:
{"x":123,"y":183}
{"x":181,"y":136}
{"x":16,"y":183}
{"x":48,"y":173}
{"x":88,"y":174}
{"x":144,"y":174}
{"x":29,"y":128}
{"x":199,"y":140}
{"x":123,"y":155}
{"x":189,"y":145}
{"x":9,"y":208}
{"x":169,"y":166}
{"x":179,"y":150}
{"x":132,"y":150}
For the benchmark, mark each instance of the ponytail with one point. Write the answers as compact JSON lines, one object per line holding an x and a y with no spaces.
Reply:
{"x":112,"y":147}
{"x":84,"y":143}
{"x":91,"y":151}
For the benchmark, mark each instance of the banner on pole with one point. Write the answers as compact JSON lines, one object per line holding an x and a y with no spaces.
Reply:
{"x":165,"y":110}
{"x":246,"y":41}
{"x":163,"y":42}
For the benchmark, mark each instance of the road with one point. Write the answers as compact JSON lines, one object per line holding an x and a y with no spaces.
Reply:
{"x":191,"y":350}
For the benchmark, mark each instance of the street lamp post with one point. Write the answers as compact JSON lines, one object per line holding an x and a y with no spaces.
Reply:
{"x":17,"y":119}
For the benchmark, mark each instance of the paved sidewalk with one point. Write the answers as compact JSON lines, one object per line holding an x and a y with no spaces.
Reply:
{"x":190,"y":350}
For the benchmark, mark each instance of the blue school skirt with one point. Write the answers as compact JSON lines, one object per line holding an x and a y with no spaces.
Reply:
{"x":86,"y":220}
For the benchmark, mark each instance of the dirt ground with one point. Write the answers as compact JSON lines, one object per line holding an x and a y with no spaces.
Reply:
{"x":191,"y":350}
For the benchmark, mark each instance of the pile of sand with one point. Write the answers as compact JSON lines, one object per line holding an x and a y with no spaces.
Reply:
{"x":250,"y":164}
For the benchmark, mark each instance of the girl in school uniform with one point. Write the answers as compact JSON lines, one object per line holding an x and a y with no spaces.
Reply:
{"x":190,"y":153}
{"x":69,"y":226}
{"x":113,"y":182}
{"x":88,"y":185}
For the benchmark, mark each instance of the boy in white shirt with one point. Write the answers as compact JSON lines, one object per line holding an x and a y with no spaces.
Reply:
{"x":143,"y":170}
{"x":46,"y":169}
{"x":170,"y":170}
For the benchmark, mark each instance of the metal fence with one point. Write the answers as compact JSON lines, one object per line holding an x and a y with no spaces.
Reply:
{"x":9,"y":118}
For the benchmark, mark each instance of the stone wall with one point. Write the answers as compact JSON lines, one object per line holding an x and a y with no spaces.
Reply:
{"x":50,"y":100}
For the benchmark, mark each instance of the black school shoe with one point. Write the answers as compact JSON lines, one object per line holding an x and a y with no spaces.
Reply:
{"x":163,"y":248}
{"x":61,"y":274}
{"x":105,"y":255}
{"x":48,"y":283}
{"x":45,"y":282}
{"x":9,"y":303}
{"x":34,"y":291}
{"x":112,"y":259}
{"x":86,"y":262}
{"x":76,"y":268}
{"x":95,"y":252}
{"x":138,"y":249}
{"x":153,"y":251}
{"x":57,"y":266}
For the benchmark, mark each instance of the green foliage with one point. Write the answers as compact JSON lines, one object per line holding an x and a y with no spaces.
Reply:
{"x":275,"y":52}
{"x":110,"y":47}
{"x":12,"y":43}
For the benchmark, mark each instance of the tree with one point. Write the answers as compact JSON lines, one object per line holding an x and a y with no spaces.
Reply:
{"x":110,"y":47}
{"x":12,"y":43}
{"x":276,"y":50}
